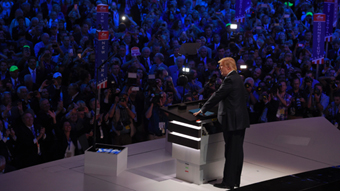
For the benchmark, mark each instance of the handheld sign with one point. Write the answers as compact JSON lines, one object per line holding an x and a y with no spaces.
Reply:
{"x":135,"y":51}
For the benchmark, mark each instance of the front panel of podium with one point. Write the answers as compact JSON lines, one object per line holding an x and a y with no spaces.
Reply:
{"x":199,"y":158}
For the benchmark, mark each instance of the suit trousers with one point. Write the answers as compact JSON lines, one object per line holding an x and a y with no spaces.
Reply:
{"x":233,"y":157}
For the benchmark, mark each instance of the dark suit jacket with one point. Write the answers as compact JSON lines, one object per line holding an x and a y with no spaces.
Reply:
{"x":55,"y":95}
{"x":332,"y":54}
{"x":9,"y":168}
{"x":78,"y":36}
{"x":44,"y":9}
{"x":39,"y":78}
{"x":27,"y":151}
{"x":6,"y":75}
{"x":144,"y":63}
{"x":68,"y":99}
{"x":170,"y":61}
{"x":63,"y":143}
{"x":111,"y":81}
{"x":136,"y":13}
{"x":232,"y":108}
{"x":8,"y":80}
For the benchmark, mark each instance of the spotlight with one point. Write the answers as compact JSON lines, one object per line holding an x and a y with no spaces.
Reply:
{"x":243,"y":66}
{"x":123,"y":18}
{"x":233,"y":26}
{"x":186,"y":70}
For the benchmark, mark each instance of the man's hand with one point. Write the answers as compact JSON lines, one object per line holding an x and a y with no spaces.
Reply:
{"x":8,"y":132}
{"x":44,"y":84}
{"x":12,"y":133}
{"x":42,"y":132}
{"x":129,"y":91}
{"x":116,"y":99}
{"x":197,"y":113}
{"x":38,"y":95}
{"x":51,"y":113}
{"x":123,"y":103}
{"x":278,"y":93}
{"x":20,"y":106}
{"x":86,"y":109}
{"x":317,"y":97}
{"x":249,"y":89}
{"x":89,"y":134}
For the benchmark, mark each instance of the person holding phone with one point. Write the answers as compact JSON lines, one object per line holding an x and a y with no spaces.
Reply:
{"x":123,"y":121}
{"x":233,"y":118}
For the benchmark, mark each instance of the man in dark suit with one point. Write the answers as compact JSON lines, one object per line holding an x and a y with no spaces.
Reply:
{"x":73,"y":94}
{"x":233,"y":117}
{"x":4,"y":73}
{"x":83,"y":33}
{"x":46,"y":7}
{"x":13,"y":82}
{"x":145,"y":59}
{"x":29,"y":138}
{"x":37,"y":75}
{"x":115,"y":79}
{"x":137,"y":11}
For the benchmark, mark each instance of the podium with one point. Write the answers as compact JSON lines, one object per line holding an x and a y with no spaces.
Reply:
{"x":199,"y":155}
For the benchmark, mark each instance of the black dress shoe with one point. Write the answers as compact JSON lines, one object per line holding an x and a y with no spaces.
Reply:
{"x":224,"y":186}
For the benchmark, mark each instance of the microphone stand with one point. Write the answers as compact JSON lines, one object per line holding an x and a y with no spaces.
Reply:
{"x":96,"y":99}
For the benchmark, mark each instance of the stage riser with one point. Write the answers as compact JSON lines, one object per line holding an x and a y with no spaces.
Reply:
{"x":327,"y":179}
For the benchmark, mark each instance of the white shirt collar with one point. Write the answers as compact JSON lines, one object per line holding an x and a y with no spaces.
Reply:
{"x":31,"y":70}
{"x":29,"y":127}
{"x":14,"y":80}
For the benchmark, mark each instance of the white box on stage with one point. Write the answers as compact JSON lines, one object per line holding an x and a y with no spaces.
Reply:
{"x":101,"y":163}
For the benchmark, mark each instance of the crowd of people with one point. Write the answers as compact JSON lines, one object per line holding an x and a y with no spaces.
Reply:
{"x":47,"y":69}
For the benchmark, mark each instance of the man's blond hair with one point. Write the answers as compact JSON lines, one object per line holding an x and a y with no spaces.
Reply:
{"x":228,"y":62}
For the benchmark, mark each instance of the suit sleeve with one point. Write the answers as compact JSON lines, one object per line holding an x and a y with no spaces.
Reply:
{"x":220,"y":94}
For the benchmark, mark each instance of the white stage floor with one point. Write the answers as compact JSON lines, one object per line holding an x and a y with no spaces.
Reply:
{"x":271,"y":150}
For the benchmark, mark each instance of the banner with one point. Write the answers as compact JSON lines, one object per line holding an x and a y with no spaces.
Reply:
{"x":135,"y":51}
{"x":102,"y":44}
{"x":102,"y":17}
{"x":336,"y":7}
{"x":328,"y":9}
{"x":319,"y":22}
{"x":241,"y":7}
{"x":247,"y":6}
{"x":240,"y":11}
